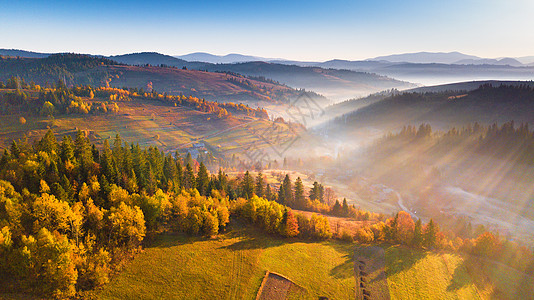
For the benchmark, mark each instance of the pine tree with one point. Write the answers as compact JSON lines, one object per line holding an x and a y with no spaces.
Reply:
{"x":430,"y":234}
{"x":5,"y":158}
{"x":189,"y":177}
{"x":288,"y":191}
{"x":222,"y":181}
{"x":107,"y":164}
{"x":118,"y":151}
{"x":202,"y":180}
{"x":336,"y":210}
{"x":390,"y":230}
{"x":15,"y":150}
{"x":189,"y":160}
{"x":300,"y":200}
{"x":247,"y":186}
{"x":417,"y":234}
{"x":179,"y":173}
{"x":345,"y":208}
{"x":268,"y":193}
{"x":67,"y":149}
{"x":314,"y":191}
{"x":259,"y":185}
{"x":282,"y":195}
{"x":48,"y":143}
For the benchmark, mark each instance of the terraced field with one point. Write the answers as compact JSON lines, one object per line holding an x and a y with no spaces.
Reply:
{"x":153,"y":123}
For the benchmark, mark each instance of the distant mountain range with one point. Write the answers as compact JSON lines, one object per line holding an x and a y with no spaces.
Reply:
{"x":342,"y":79}
{"x":427,"y":68}
{"x":416,"y":58}
{"x":221,"y":59}
{"x":426,"y":57}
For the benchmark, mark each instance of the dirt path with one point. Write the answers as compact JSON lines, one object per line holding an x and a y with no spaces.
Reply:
{"x":370,"y":272}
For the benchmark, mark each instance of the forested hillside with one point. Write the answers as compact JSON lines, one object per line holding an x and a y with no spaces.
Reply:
{"x":77,"y":69}
{"x":486,"y":105}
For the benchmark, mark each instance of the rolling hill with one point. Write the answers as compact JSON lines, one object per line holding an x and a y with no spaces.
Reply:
{"x":23,"y":53}
{"x":155,"y":59}
{"x":443,"y":108}
{"x":333,"y":83}
{"x":77,"y":69}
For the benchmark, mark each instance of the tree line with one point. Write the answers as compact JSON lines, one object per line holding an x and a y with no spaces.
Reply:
{"x":60,"y":99}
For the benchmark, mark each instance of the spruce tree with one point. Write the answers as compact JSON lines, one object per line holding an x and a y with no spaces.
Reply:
{"x":259,"y":185}
{"x":189,"y":177}
{"x":288,"y":191}
{"x":430,"y":234}
{"x":345,"y":208}
{"x":417,"y":234}
{"x":247,"y":186}
{"x":202,"y":180}
{"x":300,"y":200}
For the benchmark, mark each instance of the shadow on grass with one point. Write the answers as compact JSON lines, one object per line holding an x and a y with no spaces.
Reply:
{"x":346,"y":269}
{"x":251,"y":237}
{"x":167,"y":240}
{"x":401,"y":258}
{"x":460,"y":277}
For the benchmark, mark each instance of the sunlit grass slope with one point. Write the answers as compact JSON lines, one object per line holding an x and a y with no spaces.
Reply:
{"x":232,"y":267}
{"x":415,"y":274}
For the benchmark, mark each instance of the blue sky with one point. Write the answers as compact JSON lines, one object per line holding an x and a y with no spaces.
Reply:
{"x":303,"y":30}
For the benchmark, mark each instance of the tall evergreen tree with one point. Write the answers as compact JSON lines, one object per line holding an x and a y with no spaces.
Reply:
{"x":179,"y":173}
{"x":189,"y":177}
{"x":300,"y":200}
{"x":259,"y":185}
{"x":345,"y":208}
{"x":268,"y":192}
{"x":15,"y":150}
{"x":107,"y":164}
{"x":417,"y":234}
{"x":247,"y":186}
{"x":48,"y":143}
{"x":336,"y":209}
{"x":282,"y":195}
{"x":202,"y":180}
{"x":288,"y":191}
{"x":222,"y":181}
{"x":430,"y":234}
{"x":67,"y":149}
{"x":189,"y":160}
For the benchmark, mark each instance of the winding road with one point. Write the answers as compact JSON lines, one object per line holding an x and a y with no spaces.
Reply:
{"x":401,"y":205}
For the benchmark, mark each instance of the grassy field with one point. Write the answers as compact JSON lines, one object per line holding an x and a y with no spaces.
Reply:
{"x":429,"y":275}
{"x":232,"y":267}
